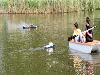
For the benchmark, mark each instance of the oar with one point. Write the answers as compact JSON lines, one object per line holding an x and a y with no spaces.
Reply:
{"x":89,"y":29}
{"x":72,"y":37}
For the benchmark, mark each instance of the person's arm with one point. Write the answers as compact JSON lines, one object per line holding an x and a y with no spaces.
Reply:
{"x":89,"y":34}
{"x":74,"y":33}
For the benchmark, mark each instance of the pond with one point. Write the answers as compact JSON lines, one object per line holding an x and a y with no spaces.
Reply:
{"x":22,"y":52}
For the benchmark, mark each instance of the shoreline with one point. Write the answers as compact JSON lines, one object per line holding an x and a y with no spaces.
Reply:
{"x":38,"y":12}
{"x":43,"y":12}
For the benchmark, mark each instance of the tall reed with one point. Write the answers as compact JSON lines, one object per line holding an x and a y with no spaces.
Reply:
{"x":47,"y":6}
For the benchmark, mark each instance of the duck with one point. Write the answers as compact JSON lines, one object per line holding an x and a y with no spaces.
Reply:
{"x":49,"y":45}
{"x":32,"y":26}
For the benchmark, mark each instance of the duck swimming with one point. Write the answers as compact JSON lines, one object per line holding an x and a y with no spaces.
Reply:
{"x":50,"y":45}
{"x":31,"y":26}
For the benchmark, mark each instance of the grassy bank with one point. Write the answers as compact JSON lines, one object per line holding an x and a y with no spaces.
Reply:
{"x":47,"y":6}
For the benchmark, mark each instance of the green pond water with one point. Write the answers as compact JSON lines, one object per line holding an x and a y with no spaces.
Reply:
{"x":22,"y":52}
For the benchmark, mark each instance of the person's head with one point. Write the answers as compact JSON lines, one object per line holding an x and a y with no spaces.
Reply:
{"x":88,"y":23}
{"x":88,"y":20}
{"x":76,"y":25}
{"x":88,"y":26}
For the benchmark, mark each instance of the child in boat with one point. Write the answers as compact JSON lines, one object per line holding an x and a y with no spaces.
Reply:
{"x":79,"y":37}
{"x":88,"y":34}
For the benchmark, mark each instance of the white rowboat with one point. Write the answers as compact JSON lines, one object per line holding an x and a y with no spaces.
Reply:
{"x":85,"y":47}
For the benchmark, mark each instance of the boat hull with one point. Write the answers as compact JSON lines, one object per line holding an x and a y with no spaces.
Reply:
{"x":85,"y":48}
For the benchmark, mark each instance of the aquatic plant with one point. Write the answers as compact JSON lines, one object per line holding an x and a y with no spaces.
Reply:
{"x":47,"y":6}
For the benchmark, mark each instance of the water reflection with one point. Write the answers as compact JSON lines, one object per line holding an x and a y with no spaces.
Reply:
{"x":84,"y":64}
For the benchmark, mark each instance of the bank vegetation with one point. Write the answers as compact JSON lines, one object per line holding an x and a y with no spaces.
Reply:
{"x":47,"y":6}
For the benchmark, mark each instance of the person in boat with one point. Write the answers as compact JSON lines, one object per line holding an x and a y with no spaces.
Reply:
{"x":79,"y":37}
{"x":88,"y":34}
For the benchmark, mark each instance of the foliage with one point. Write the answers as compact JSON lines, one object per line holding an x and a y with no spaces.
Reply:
{"x":47,"y":6}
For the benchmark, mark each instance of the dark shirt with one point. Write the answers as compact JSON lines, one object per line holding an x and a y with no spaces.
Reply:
{"x":89,"y":38}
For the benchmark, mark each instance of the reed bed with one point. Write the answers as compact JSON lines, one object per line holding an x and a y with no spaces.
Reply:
{"x":47,"y":6}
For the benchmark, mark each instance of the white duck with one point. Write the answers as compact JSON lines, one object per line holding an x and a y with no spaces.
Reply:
{"x":50,"y":45}
{"x":49,"y":48}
